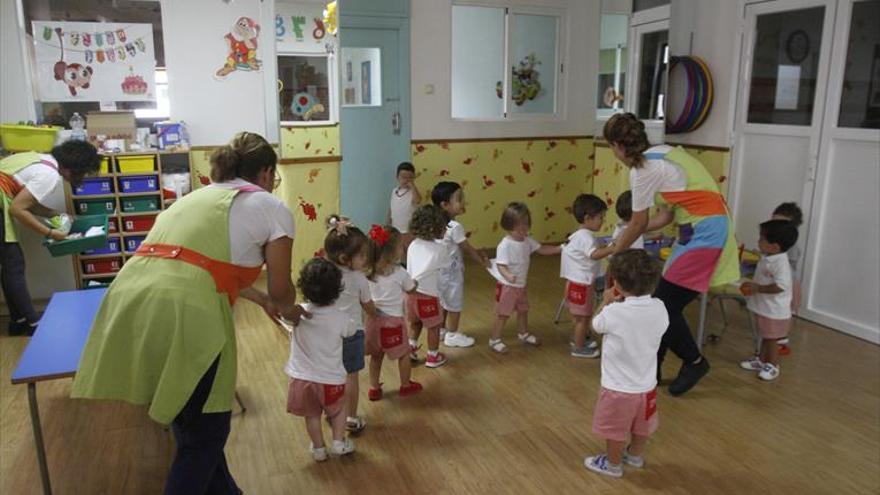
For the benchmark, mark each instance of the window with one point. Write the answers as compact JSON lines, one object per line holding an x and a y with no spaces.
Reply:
{"x":304,"y":93}
{"x":361,"y":77}
{"x":506,"y":63}
{"x":612,"y":64}
{"x":860,"y":101}
{"x":652,"y":75}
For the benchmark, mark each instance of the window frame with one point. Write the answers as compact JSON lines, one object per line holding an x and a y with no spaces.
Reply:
{"x":332,"y":89}
{"x":641,"y":23}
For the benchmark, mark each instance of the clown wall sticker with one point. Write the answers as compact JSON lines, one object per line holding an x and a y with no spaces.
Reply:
{"x":241,"y":44}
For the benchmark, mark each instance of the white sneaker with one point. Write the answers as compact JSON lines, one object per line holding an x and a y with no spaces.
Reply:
{"x":769,"y":372}
{"x":458,"y":339}
{"x":342,"y":447}
{"x":635,"y":461}
{"x":782,"y":341}
{"x":588,"y":343}
{"x":584,"y":352}
{"x":752,"y":364}
{"x":320,"y":454}
{"x":601,"y":465}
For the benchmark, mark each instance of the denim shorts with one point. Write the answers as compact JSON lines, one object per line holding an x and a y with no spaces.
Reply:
{"x":353,"y":352}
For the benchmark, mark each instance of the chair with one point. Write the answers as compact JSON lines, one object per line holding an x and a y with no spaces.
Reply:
{"x":729,"y":292}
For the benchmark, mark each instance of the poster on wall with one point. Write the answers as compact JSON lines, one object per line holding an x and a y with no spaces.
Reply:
{"x":94,"y":61}
{"x":241,"y":48}
{"x":301,"y":28}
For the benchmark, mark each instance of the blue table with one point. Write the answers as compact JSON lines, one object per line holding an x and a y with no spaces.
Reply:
{"x":54,"y":353}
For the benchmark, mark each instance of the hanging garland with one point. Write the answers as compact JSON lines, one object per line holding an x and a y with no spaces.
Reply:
{"x":698,"y":100}
{"x":92,"y":45}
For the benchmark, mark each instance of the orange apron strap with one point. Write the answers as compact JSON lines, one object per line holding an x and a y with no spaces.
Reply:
{"x":9,"y":185}
{"x":228,"y":277}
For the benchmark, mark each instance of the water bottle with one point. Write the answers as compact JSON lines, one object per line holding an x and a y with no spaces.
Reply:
{"x":184,"y":135}
{"x":77,"y":127}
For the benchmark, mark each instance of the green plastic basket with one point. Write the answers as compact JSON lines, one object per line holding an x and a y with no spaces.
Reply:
{"x":75,"y":246}
{"x":140,"y":205}
{"x":90,"y":207}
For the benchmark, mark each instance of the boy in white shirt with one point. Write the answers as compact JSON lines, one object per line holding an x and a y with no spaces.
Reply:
{"x":450,"y":197}
{"x":623,"y":208}
{"x":769,"y":295}
{"x":580,"y":265}
{"x":792,"y":212}
{"x":632,"y":323}
{"x":404,"y":200}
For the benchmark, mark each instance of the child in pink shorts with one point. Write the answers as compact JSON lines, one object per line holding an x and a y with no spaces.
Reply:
{"x":769,"y":295}
{"x":792,"y":212}
{"x":632,"y":324}
{"x":385,"y":329}
{"x":425,"y":259}
{"x":512,"y":260}
{"x":317,"y":375}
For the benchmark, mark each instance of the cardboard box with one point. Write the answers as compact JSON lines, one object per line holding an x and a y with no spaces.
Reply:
{"x":111,"y":125}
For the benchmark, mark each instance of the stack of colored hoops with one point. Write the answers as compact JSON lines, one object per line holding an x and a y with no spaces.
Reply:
{"x":698,"y":100}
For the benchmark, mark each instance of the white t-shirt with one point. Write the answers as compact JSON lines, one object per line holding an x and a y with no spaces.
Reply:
{"x":639,"y":243}
{"x":773,"y":269}
{"x":632,"y":332}
{"x":44,"y":183}
{"x":516,"y":256}
{"x":794,"y":254}
{"x":576,"y":264}
{"x":387,"y":291}
{"x":454,"y":236}
{"x":316,"y":345}
{"x":255,"y":218}
{"x":401,"y":209}
{"x":355,"y":290}
{"x":656,"y":175}
{"x":424,"y":261}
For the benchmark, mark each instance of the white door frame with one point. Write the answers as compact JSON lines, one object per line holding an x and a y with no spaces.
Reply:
{"x":640,"y":26}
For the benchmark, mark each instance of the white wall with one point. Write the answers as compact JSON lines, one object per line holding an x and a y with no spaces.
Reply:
{"x":431,"y":58}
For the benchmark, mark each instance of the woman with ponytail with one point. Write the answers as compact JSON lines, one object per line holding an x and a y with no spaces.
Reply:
{"x":705,"y":254}
{"x":164,"y":334}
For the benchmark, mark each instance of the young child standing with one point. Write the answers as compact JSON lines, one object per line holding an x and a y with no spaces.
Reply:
{"x":769,"y":295}
{"x":632,"y":324}
{"x":450,"y":197}
{"x":404,"y":200}
{"x":349,"y":249}
{"x":623,"y":208}
{"x":512,"y":259}
{"x":425,"y":259}
{"x":792,"y":212}
{"x":580,"y":265}
{"x":317,"y":376}
{"x":385,"y":334}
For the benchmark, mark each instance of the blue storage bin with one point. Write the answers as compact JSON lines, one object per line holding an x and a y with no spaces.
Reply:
{"x":133,"y":242}
{"x":112,"y":247}
{"x":138,"y":183}
{"x":97,"y":185}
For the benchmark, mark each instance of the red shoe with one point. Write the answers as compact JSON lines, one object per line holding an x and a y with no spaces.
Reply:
{"x":411,"y":389}
{"x":784,"y":350}
{"x":375,"y":393}
{"x":436,"y":360}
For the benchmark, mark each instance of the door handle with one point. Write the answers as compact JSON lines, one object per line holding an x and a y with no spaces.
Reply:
{"x":395,"y":123}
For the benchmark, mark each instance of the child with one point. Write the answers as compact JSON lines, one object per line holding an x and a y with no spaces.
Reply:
{"x":317,"y":376}
{"x":348,"y":248}
{"x":791,"y":211}
{"x":404,"y":200}
{"x":769,"y":295}
{"x":512,"y":258}
{"x":385,"y":335}
{"x":623,"y":207}
{"x":450,"y":197}
{"x":425,"y":259}
{"x":633,"y":323}
{"x":580,"y":267}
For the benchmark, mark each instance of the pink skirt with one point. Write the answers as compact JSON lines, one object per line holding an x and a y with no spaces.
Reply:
{"x":772,"y":328}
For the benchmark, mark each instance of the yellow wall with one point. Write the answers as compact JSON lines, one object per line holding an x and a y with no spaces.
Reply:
{"x":310,"y":142}
{"x":546,"y":174}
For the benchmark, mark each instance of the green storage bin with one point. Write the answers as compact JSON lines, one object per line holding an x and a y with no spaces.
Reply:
{"x":95,"y":206}
{"x":138,"y":205}
{"x":75,"y":246}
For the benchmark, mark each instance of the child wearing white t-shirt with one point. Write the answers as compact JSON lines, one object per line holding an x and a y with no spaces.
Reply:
{"x":385,"y":335}
{"x":632,"y":324}
{"x":792,"y":212}
{"x":404,"y":200}
{"x":769,"y":295}
{"x":580,"y":265}
{"x":512,"y":259}
{"x":623,"y":208}
{"x":317,"y":375}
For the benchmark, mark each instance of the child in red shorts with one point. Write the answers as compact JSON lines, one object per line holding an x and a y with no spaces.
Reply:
{"x":317,"y":375}
{"x":632,"y":324}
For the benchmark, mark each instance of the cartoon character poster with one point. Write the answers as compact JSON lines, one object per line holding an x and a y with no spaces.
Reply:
{"x":242,"y":42}
{"x":90,"y":61}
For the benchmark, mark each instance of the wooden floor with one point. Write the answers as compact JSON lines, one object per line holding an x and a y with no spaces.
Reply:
{"x":487,"y":424}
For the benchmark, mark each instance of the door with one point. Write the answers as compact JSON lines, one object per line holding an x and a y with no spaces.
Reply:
{"x":374,"y":94}
{"x":842,"y":271}
{"x":779,"y":110}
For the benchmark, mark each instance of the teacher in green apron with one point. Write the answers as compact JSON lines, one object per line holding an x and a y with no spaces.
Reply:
{"x":164,"y":334}
{"x":31,"y":186}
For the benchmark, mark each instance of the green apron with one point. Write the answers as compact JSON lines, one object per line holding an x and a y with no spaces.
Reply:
{"x":10,"y":166}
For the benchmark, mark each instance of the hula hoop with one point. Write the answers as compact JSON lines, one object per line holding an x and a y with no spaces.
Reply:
{"x":698,"y":100}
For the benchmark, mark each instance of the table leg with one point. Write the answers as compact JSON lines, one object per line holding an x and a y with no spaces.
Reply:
{"x":701,"y":329}
{"x":38,"y":438}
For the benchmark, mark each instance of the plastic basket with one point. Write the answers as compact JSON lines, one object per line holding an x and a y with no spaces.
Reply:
{"x":135,"y":164}
{"x":140,"y":205}
{"x":28,"y":138}
{"x":74,"y":246}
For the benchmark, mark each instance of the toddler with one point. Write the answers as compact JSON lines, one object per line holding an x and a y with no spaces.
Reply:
{"x":512,"y":259}
{"x":425,"y":259}
{"x":404,"y":200}
{"x":623,"y":208}
{"x":348,"y":248}
{"x":450,"y":197}
{"x":769,"y":295}
{"x":580,"y":267}
{"x":632,"y":324}
{"x":317,"y":376}
{"x":385,"y":335}
{"x":791,"y":211}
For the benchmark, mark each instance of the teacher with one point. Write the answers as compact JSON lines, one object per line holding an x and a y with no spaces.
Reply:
{"x":164,"y":334}
{"x":705,"y":253}
{"x":32,"y":187}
